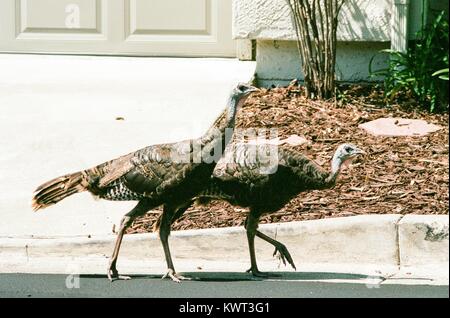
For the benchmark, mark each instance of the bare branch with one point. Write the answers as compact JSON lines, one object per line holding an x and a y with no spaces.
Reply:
{"x":316,"y":26}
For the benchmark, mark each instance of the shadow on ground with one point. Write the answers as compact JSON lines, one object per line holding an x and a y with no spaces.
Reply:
{"x":237,"y":276}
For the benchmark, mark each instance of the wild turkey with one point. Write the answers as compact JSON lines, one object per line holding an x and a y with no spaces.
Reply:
{"x":165,"y":174}
{"x":264,"y":178}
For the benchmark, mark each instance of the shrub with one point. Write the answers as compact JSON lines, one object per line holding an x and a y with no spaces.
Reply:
{"x":423,"y":69}
{"x":316,"y":24}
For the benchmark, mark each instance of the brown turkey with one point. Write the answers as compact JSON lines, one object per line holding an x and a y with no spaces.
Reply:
{"x":166,"y":174}
{"x":264,"y":178}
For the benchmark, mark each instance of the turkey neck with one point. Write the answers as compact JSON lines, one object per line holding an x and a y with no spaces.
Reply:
{"x":336,"y":164}
{"x":309,"y":175}
{"x":217,"y":132}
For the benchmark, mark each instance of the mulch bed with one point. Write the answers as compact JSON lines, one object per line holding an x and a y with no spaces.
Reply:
{"x":402,"y":175}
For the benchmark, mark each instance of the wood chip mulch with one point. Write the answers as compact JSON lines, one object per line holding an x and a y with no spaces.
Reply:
{"x":402,"y":175}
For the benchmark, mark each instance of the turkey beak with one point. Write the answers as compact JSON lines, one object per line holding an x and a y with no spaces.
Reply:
{"x":361,"y":152}
{"x":357,"y":153}
{"x":253,"y":89}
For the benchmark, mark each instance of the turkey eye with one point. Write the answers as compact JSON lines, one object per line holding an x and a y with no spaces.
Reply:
{"x":348,"y":149}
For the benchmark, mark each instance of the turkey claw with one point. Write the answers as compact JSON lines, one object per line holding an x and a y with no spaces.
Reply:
{"x":177,"y":278}
{"x":283,"y":254}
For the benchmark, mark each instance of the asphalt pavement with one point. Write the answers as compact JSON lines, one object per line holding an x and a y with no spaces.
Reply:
{"x":216,"y":285}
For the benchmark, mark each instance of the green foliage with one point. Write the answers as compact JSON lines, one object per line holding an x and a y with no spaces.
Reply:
{"x":443,"y":74}
{"x":341,"y":96}
{"x":423,"y":69}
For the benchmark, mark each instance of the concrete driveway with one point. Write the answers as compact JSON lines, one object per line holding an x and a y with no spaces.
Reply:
{"x":60,"y":114}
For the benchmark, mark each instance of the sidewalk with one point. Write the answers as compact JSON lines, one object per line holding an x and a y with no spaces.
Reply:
{"x":369,"y":249}
{"x":58,"y":115}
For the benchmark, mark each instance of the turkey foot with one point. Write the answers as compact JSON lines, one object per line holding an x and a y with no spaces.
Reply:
{"x":282,"y":252}
{"x":113,"y":274}
{"x":257,"y":273}
{"x":174,"y":276}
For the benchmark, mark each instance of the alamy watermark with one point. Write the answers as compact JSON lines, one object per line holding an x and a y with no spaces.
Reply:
{"x":253,"y":148}
{"x":373,"y":282}
{"x":72,"y":280}
{"x":72,"y":16}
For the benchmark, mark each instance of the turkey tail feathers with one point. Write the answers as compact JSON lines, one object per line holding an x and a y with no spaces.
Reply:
{"x":57,"y":189}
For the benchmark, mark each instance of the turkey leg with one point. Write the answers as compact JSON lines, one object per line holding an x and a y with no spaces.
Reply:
{"x":251,"y":227}
{"x":164,"y":231}
{"x":279,"y":247}
{"x":141,"y":208}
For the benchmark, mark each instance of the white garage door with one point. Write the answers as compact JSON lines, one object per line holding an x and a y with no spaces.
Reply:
{"x":128,"y":27}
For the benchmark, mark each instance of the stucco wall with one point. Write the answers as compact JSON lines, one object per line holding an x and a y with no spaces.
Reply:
{"x":278,"y":61}
{"x":365,"y":28}
{"x":360,"y":20}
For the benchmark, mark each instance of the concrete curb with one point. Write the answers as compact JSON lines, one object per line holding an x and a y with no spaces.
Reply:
{"x":423,"y":240}
{"x":371,"y":241}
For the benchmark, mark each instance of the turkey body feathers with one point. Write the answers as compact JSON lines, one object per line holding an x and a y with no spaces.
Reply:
{"x":266,"y":186}
{"x":148,"y":172}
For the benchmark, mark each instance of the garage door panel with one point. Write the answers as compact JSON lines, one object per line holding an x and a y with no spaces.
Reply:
{"x":170,"y":16}
{"x":58,"y":16}
{"x":62,"y":20}
{"x":118,"y":27}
